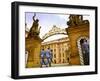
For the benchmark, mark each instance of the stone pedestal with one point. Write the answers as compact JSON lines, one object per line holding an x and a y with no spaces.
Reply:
{"x":33,"y":46}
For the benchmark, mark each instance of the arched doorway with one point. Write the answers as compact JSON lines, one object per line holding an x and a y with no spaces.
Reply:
{"x":83,"y":48}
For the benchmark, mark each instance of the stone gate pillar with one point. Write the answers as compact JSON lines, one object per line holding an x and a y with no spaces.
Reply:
{"x":77,"y":27}
{"x":33,"y":46}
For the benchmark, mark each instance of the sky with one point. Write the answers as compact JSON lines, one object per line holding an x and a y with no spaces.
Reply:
{"x":47,"y":21}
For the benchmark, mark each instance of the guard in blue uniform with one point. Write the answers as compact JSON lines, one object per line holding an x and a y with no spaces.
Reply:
{"x":49,"y":57}
{"x":85,"y":50}
{"x":42,"y":55}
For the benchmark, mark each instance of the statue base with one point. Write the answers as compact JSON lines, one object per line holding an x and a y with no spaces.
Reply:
{"x":33,"y":46}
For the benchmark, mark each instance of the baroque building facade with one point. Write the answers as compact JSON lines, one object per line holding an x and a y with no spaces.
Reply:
{"x":59,"y":48}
